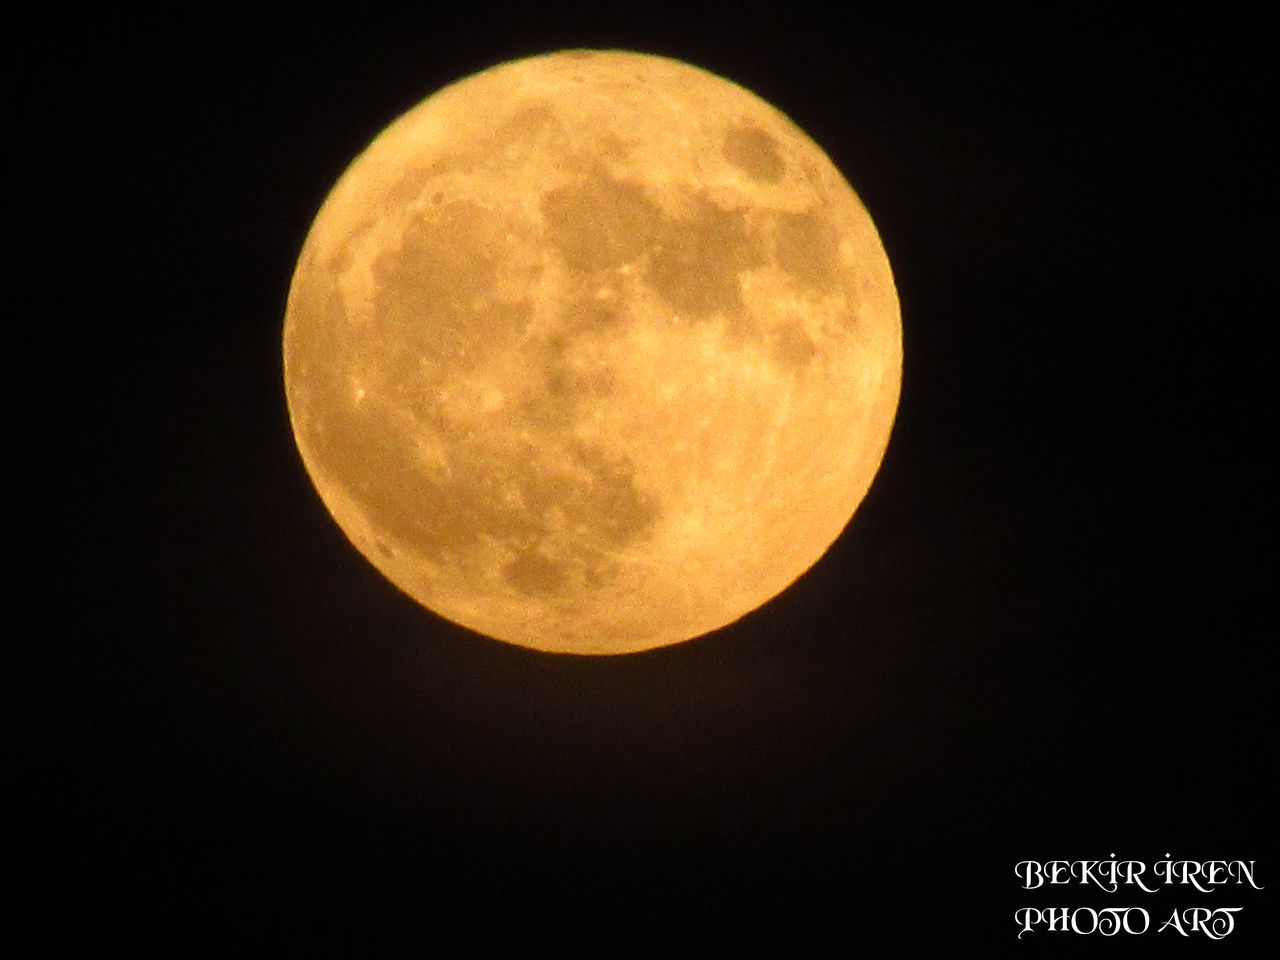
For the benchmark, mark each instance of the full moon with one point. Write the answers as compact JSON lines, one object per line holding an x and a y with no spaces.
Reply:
{"x":592,"y":352}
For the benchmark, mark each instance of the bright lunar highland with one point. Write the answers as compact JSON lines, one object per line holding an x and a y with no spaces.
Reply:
{"x":592,"y":352}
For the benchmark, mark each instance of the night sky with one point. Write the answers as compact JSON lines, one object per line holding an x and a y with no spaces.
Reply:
{"x":1048,"y":632}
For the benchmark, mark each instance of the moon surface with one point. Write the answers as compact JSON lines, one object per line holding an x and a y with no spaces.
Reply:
{"x":592,"y":352}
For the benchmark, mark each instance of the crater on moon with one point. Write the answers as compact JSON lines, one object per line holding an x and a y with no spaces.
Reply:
{"x":592,"y":353}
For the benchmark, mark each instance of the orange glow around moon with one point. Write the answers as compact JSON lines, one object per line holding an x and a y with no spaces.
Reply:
{"x":592,"y":352}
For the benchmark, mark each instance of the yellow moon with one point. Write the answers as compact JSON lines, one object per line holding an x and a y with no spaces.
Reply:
{"x":592,"y":352}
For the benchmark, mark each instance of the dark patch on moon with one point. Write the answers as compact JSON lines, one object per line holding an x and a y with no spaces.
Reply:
{"x":755,"y":153}
{"x":601,"y":511}
{"x":613,"y":147}
{"x":410,"y":186}
{"x":436,"y":292}
{"x":585,"y":312}
{"x":558,"y":513}
{"x":791,"y":348}
{"x":560,"y":519}
{"x":534,"y":129}
{"x":565,"y":384}
{"x":316,"y":329}
{"x":808,"y":249}
{"x":602,"y":222}
{"x":697,"y":262}
{"x":568,"y":384}
{"x":610,"y":505}
{"x":526,"y":124}
{"x":694,"y":262}
{"x":534,"y":575}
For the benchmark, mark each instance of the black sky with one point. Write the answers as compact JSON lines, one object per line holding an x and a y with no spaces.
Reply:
{"x":1048,"y":632}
